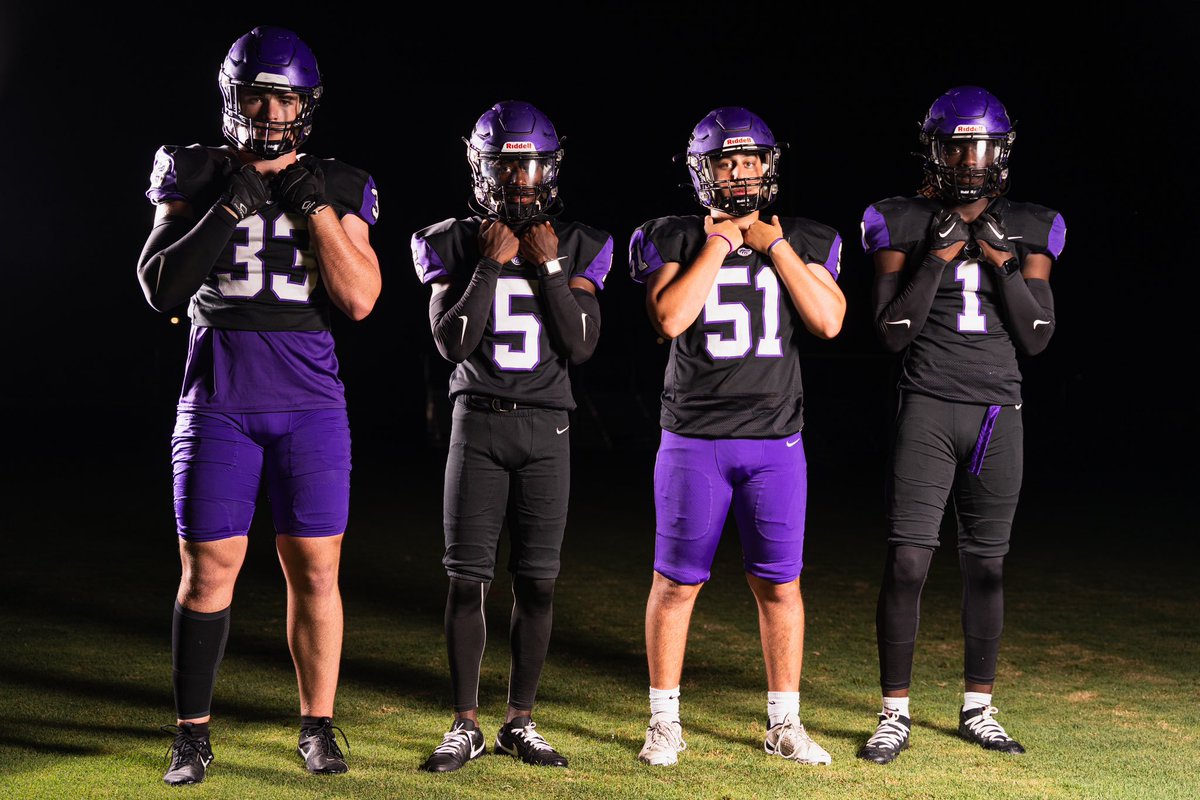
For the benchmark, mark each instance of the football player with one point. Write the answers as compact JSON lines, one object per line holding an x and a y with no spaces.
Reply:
{"x":512,"y":303}
{"x":734,"y":291}
{"x":960,"y":287}
{"x":263,"y":241}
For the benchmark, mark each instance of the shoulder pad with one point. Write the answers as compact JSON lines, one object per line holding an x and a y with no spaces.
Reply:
{"x":814,"y":242}
{"x":662,"y":241}
{"x":589,"y":250}
{"x":1037,"y":228}
{"x":350,"y":189}
{"x":440,"y":250}
{"x":897,"y":223}
{"x":194,"y":173}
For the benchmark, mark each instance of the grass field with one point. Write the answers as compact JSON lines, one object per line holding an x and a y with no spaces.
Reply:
{"x":1098,"y":673}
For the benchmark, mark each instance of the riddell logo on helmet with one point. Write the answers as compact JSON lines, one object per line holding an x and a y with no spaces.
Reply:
{"x":733,"y":141}
{"x":971,"y":129}
{"x":510,"y":147}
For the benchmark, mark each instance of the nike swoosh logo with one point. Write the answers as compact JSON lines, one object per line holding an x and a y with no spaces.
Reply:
{"x":792,"y":443}
{"x":1015,"y":237}
{"x":1018,"y":406}
{"x":584,"y":316}
{"x":463,"y":338}
{"x":1037,"y":322}
{"x":906,"y":323}
{"x":945,"y":233}
{"x":995,"y":232}
{"x":561,"y":431}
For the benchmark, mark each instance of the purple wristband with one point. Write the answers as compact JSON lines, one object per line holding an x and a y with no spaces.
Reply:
{"x":723,"y":236}
{"x":771,"y":246}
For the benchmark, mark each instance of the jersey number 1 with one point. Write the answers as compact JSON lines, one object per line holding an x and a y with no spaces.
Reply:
{"x":736,"y":346}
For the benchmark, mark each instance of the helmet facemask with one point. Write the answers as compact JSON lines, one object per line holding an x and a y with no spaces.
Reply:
{"x":720,"y":180}
{"x":265,"y":138}
{"x":514,"y":184}
{"x":966,"y":168}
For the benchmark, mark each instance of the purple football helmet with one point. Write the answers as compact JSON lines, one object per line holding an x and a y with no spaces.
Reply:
{"x":715,"y":139}
{"x":967,"y":138}
{"x":514,"y":153}
{"x":265,"y":61}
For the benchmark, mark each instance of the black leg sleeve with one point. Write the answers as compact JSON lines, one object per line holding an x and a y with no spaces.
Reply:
{"x":466,"y":636}
{"x":899,"y":613}
{"x":982,"y":615}
{"x":529,"y":634}
{"x":197,"y":647}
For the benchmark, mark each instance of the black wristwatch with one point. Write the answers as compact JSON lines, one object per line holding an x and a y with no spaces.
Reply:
{"x":1009,"y":267}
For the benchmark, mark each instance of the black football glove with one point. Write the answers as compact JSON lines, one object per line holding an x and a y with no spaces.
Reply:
{"x":302,"y":188}
{"x":989,"y":229}
{"x":947,"y":230}
{"x":245,"y":193}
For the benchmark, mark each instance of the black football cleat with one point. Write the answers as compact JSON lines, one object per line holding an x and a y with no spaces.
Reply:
{"x":889,"y":738}
{"x":319,"y":748}
{"x":462,"y":743}
{"x":520,"y":740}
{"x":976,"y":725}
{"x":189,"y":756}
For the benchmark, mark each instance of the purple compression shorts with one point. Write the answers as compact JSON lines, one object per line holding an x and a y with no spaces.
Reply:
{"x":695,"y":480}
{"x":220,"y":459}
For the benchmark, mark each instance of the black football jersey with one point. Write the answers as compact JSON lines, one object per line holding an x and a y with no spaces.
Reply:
{"x":514,"y":360}
{"x":963,"y":353}
{"x":735,"y":372}
{"x":266,"y":278}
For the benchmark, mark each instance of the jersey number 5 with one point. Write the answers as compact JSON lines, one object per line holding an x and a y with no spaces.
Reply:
{"x":283,"y":284}
{"x":525,"y":356}
{"x":769,"y":345}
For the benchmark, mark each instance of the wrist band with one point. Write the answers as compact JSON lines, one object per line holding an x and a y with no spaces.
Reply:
{"x":772,"y":244}
{"x":723,"y":236}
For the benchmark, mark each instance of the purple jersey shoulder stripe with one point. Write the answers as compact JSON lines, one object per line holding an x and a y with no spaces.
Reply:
{"x":833,"y":261}
{"x":874,"y":231}
{"x":1058,"y":236}
{"x":370,"y":202}
{"x":427,"y":262}
{"x":644,"y":257}
{"x":597,"y":271}
{"x":163,"y":180}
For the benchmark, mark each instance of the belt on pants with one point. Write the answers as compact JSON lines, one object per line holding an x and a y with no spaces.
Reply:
{"x":485,"y":403}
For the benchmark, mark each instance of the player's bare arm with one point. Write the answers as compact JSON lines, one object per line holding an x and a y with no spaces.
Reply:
{"x":348,"y":263}
{"x":814,"y":292}
{"x":675,"y":294}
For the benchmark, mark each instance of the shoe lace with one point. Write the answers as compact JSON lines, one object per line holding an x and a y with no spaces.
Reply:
{"x":987,"y":728}
{"x":184,"y":748}
{"x":328,"y":740}
{"x":793,"y":732}
{"x":891,"y":732}
{"x":664,"y":734}
{"x":454,"y":741}
{"x":531,"y":737}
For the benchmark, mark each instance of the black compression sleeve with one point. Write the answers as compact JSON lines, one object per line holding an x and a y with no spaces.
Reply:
{"x":458,"y":321}
{"x":179,"y":254}
{"x":574,"y":318}
{"x":1028,"y":312}
{"x":900,"y":313}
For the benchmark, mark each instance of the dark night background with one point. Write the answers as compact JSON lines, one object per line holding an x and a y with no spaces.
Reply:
{"x":92,"y":372}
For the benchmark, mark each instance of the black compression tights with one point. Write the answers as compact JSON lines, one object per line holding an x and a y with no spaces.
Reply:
{"x":899,"y":612}
{"x":529,"y":633}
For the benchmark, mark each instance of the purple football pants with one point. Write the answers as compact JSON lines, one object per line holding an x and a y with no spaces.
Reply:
{"x":219,"y":461}
{"x":696,"y":480}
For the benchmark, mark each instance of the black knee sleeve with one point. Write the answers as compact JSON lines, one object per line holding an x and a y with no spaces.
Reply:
{"x":529,"y":635}
{"x":982,"y":615}
{"x":466,"y":635}
{"x":197,"y":647}
{"x":899,"y":613}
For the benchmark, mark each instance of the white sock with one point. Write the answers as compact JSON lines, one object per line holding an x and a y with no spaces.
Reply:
{"x":897,"y":704}
{"x":780,"y":704}
{"x":976,"y":700}
{"x":665,"y":701}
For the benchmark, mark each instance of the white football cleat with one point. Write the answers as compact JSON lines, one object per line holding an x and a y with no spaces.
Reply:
{"x":789,"y":740}
{"x":664,"y":742}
